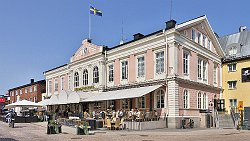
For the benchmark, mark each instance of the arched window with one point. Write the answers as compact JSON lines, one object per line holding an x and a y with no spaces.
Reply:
{"x":85,"y":77}
{"x":199,"y":100}
{"x":76,"y":79}
{"x":95,"y":75}
{"x":204,"y":101}
{"x":185,"y":99}
{"x":160,"y":98}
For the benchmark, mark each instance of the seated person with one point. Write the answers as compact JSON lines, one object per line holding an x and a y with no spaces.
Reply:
{"x":86,"y":114}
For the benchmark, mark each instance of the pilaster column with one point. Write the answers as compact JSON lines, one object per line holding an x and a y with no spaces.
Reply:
{"x":173,"y":96}
{"x":173,"y":56}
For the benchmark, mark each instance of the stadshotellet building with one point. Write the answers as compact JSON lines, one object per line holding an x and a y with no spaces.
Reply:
{"x":175,"y":71}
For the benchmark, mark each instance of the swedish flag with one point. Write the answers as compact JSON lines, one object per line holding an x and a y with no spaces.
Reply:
{"x":94,"y":11}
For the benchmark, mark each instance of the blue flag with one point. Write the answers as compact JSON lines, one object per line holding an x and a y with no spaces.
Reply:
{"x":94,"y":11}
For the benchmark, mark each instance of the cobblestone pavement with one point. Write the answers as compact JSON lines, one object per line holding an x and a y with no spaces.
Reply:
{"x":36,"y":132}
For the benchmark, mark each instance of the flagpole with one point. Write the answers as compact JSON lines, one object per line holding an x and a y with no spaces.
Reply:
{"x":89,"y":23}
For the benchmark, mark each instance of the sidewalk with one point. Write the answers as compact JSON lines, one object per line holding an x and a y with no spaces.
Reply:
{"x":65,"y":129}
{"x":164,"y":131}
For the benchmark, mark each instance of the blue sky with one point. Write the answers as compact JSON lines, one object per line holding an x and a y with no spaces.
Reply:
{"x":38,"y":35}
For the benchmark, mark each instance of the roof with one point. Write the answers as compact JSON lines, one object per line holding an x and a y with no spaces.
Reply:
{"x":26,"y":85}
{"x":136,"y":39}
{"x":153,"y":33}
{"x":242,"y":39}
{"x":56,"y":68}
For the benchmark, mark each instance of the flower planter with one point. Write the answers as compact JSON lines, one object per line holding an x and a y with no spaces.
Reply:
{"x":51,"y":129}
{"x":54,"y":129}
{"x":82,"y":131}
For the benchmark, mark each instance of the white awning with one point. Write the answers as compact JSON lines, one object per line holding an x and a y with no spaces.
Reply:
{"x":44,"y":102}
{"x":53,"y":100}
{"x":121,"y":94}
{"x":76,"y":97}
{"x":23,"y":103}
{"x":63,"y":97}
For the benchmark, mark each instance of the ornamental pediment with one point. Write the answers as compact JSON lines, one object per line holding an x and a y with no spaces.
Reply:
{"x":86,"y":49}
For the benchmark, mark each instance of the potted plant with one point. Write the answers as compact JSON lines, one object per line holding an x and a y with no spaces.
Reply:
{"x":54,"y":127}
{"x":82,"y":128}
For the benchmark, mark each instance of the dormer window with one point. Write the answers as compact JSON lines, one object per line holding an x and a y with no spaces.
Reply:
{"x":233,"y":51}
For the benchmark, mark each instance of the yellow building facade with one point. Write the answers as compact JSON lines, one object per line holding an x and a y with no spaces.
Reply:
{"x":234,"y":87}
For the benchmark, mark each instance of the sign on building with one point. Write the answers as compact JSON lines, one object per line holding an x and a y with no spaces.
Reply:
{"x":240,"y":105}
{"x":245,"y":74}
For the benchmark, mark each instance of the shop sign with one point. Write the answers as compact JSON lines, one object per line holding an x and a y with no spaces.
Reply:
{"x":240,"y":105}
{"x":2,"y":100}
{"x":85,"y":88}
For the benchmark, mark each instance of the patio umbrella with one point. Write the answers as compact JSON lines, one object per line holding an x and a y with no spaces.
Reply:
{"x":23,"y":103}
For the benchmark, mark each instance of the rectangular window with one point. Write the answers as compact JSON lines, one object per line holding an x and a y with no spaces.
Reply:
{"x":232,"y":67}
{"x":141,"y":67}
{"x":204,"y":101}
{"x":16,"y":92}
{"x":30,"y":89}
{"x":204,"y":40}
{"x":125,"y":70}
{"x":204,"y":70}
{"x":125,"y":103}
{"x":193,"y":34}
{"x":62,"y":83}
{"x":199,"y":38}
{"x":199,"y":68}
{"x":215,"y":74}
{"x":231,"y":84}
{"x":141,"y":102}
{"x":111,"y":73}
{"x":159,"y":62}
{"x":50,"y":87}
{"x":185,"y":99}
{"x":199,"y":101}
{"x":56,"y":85}
{"x":233,"y":103}
{"x":35,"y":88}
{"x":185,"y":63}
{"x":208,"y":44}
{"x":21,"y":92}
{"x":26,"y":90}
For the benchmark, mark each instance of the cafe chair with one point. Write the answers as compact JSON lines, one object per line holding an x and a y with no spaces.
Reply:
{"x":109,"y":124}
{"x":117,"y":124}
{"x":121,"y":124}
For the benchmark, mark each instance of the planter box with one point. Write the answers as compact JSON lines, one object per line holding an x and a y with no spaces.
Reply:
{"x":82,"y":131}
{"x":54,"y":129}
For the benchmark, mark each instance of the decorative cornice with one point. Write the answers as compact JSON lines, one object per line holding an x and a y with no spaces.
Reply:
{"x":191,"y":82}
{"x":136,"y":85}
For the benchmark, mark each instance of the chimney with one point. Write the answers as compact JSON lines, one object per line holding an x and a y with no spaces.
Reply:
{"x":242,"y":28}
{"x":138,"y":36}
{"x":32,"y":81}
{"x":170,"y":24}
{"x":89,"y":40}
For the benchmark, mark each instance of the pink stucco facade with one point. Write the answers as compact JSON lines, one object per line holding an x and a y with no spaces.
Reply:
{"x":132,"y":71}
{"x":150,"y":64}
